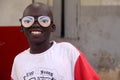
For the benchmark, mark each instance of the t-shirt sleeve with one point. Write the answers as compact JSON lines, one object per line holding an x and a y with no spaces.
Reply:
{"x":83,"y":70}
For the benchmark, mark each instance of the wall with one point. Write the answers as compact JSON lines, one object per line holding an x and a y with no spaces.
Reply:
{"x":11,"y":11}
{"x":99,"y":39}
{"x":91,"y":25}
{"x":99,"y":22}
{"x":99,"y":2}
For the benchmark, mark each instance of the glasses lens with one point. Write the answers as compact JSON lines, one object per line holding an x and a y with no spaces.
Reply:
{"x":27,"y":21}
{"x":44,"y":21}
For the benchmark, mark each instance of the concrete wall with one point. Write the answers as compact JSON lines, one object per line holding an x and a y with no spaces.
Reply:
{"x":49,"y":2}
{"x":90,"y":25}
{"x":57,"y":18}
{"x":99,"y":2}
{"x":11,"y":11}
{"x":99,"y":29}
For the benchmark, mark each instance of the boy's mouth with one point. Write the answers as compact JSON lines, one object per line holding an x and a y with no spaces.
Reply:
{"x":36,"y":33}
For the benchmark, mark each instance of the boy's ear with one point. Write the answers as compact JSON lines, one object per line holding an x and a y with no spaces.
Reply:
{"x":21,"y":27}
{"x":53,"y":27}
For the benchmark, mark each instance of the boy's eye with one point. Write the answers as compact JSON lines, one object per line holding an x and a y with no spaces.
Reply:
{"x":27,"y":21}
{"x":44,"y":20}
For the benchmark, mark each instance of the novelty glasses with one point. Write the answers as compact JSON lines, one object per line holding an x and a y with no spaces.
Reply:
{"x":28,"y":21}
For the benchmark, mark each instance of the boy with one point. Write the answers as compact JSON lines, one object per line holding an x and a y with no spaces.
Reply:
{"x":45,"y":59}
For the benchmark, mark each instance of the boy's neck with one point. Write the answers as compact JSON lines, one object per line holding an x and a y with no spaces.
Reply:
{"x":39,"y":48}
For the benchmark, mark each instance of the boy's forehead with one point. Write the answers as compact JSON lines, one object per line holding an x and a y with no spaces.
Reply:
{"x":36,"y":11}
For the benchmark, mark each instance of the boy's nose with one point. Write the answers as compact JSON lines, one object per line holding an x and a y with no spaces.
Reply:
{"x":36,"y":24}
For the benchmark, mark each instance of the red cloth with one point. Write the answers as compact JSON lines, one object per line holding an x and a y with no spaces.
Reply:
{"x":83,"y":70}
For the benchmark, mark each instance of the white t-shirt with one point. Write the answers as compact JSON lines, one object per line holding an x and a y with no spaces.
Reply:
{"x":62,"y":61}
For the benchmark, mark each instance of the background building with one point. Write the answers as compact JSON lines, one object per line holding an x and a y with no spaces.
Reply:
{"x":91,"y":25}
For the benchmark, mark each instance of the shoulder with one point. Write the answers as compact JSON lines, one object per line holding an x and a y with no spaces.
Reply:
{"x":68,"y":47}
{"x":65,"y":44}
{"x":21,"y":55}
{"x":71,"y":51}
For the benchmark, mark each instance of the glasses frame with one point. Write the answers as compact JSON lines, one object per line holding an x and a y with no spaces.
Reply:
{"x":35,"y":19}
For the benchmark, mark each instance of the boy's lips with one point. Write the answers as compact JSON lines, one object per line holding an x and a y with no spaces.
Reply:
{"x":36,"y":33}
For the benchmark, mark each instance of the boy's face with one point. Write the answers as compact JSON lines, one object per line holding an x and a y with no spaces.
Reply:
{"x":36,"y":33}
